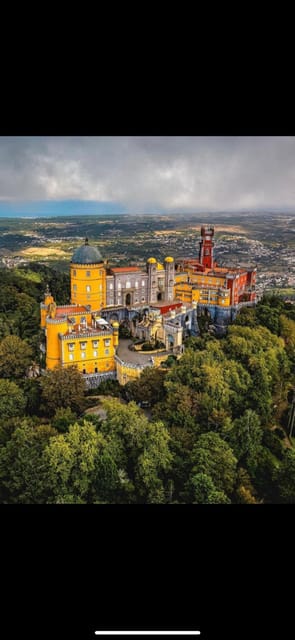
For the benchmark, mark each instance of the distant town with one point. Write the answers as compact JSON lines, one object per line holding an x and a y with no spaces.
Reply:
{"x":266,"y":241}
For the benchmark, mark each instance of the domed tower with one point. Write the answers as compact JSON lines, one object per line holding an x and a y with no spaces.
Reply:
{"x":88,"y":277}
{"x":169,"y":277}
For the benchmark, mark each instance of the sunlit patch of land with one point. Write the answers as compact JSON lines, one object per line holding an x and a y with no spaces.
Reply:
{"x":223,"y":227}
{"x":43,"y":251}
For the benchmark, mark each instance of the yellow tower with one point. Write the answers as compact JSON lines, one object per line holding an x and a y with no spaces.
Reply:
{"x":46,"y":306}
{"x":54,"y":326}
{"x":116,"y":333}
{"x":88,"y":277}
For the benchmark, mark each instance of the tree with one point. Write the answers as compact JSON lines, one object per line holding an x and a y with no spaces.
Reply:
{"x":245,"y":438}
{"x":63,"y":418}
{"x":287,"y":331}
{"x":15,"y":357}
{"x":205,"y":491}
{"x":23,"y":475}
{"x":245,"y":492}
{"x":148,"y":387}
{"x":140,"y":448}
{"x":246,"y":317}
{"x":214,"y":457}
{"x":285,"y":477}
{"x":71,"y":462}
{"x":12,"y":400}
{"x":63,"y":387}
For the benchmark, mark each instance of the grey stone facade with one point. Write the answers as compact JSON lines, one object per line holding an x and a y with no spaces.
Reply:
{"x":129,"y":286}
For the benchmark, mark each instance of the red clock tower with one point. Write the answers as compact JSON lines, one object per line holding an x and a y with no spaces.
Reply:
{"x":206,"y":247}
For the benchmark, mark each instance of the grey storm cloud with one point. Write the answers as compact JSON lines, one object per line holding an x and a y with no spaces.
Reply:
{"x":142,"y":173}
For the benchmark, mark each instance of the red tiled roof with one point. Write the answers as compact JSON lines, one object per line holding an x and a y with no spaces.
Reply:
{"x":62,"y":311}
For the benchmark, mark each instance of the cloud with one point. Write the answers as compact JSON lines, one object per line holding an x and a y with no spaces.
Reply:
{"x":151,"y":173}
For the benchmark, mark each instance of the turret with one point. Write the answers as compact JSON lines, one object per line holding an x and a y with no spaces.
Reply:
{"x":169,"y":267}
{"x":116,"y":333}
{"x":45,"y":306}
{"x":206,"y":246}
{"x":152,"y":279}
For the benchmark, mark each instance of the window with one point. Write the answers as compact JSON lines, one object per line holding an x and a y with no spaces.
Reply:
{"x":88,"y":273}
{"x":83,"y":345}
{"x":107,"y":342}
{"x":71,"y":356}
{"x":74,"y":272}
{"x":107,"y":352}
{"x":100,"y":287}
{"x":88,"y":296}
{"x":95,"y":343}
{"x":95,"y":354}
{"x":119,"y":294}
{"x":119,"y":285}
{"x":136,"y":284}
{"x":88,"y":288}
{"x":83,"y":355}
{"x":128,"y":284}
{"x":100,"y":272}
{"x":75,"y":295}
{"x":143,"y":283}
{"x":111,"y":285}
{"x":71,"y":346}
{"x":74,"y":287}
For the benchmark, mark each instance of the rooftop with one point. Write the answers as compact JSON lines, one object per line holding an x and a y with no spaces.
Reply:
{"x":123,"y":269}
{"x":66,"y":310}
{"x":86,"y":254}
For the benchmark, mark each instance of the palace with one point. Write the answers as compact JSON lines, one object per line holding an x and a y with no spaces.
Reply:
{"x":160,"y":304}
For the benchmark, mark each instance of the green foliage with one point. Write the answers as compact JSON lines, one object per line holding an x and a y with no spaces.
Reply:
{"x":71,"y":462}
{"x":213,"y":457}
{"x":285,"y":477}
{"x":107,"y":388}
{"x":124,"y":332}
{"x":245,"y":438}
{"x":273,"y":443}
{"x":141,"y":448}
{"x":63,"y":418}
{"x":245,"y":492}
{"x":148,"y":387}
{"x":205,"y":491}
{"x":32,"y":391}
{"x":15,"y":357}
{"x":23,"y":475}
{"x":63,"y":387}
{"x":12,"y":400}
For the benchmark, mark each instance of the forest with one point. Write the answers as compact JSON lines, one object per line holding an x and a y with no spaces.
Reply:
{"x":216,"y":430}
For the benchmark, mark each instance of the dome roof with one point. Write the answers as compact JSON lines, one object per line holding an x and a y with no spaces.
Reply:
{"x":152,"y":260}
{"x":169,"y":259}
{"x":86,"y":254}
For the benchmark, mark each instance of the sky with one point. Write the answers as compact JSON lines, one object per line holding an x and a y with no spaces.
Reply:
{"x":97,"y":175}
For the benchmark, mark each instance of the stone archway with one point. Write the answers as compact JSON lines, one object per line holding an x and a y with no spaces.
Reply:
{"x":128,"y":299}
{"x":159,"y":297}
